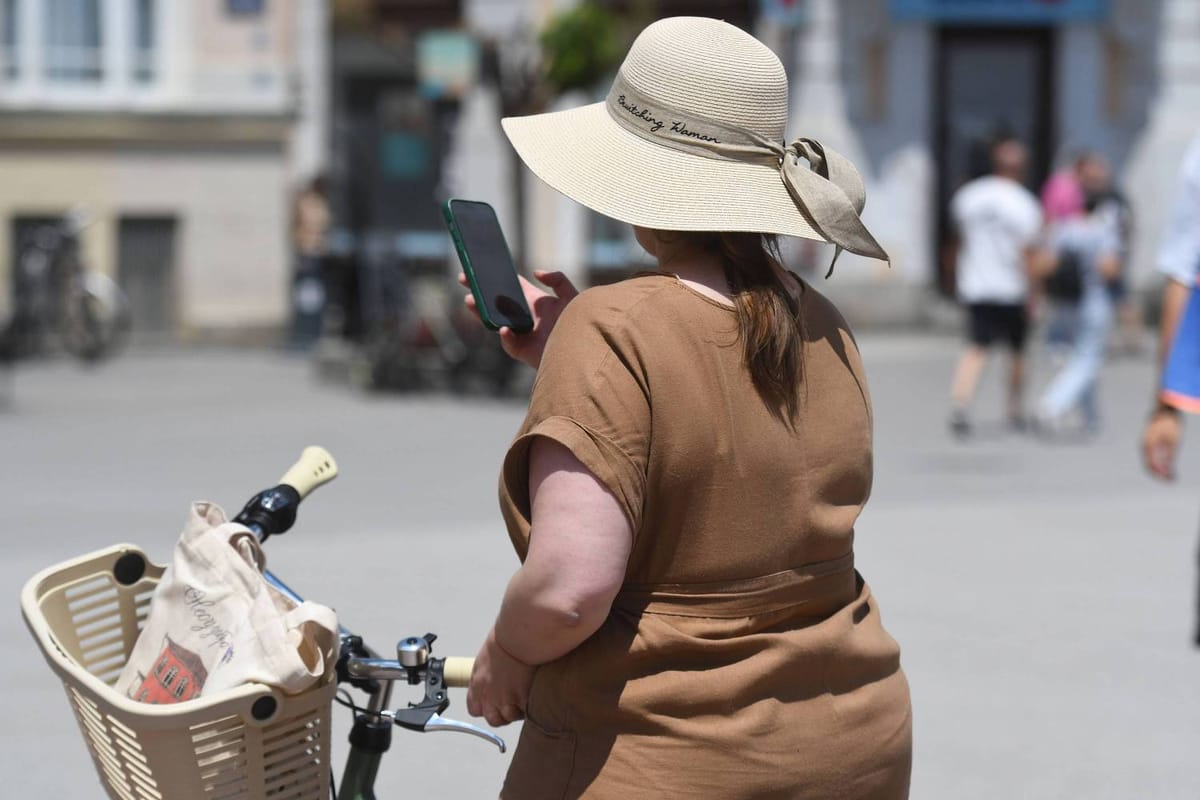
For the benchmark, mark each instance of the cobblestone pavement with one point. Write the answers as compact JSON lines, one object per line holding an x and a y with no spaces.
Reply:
{"x":1043,"y":593}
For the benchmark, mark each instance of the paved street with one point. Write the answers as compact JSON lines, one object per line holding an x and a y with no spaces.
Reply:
{"x":1042,"y":593}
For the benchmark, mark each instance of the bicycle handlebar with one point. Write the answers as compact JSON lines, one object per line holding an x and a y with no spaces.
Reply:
{"x":457,"y":671}
{"x":314,"y":468}
{"x":273,"y":511}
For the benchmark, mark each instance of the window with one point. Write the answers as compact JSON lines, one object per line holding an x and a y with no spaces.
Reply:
{"x":169,"y":678}
{"x":162,"y":665}
{"x":180,"y":687}
{"x":142,"y":40}
{"x":9,"y":68}
{"x":73,"y":41}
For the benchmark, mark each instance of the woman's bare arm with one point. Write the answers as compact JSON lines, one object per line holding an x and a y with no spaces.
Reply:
{"x":578,"y":551}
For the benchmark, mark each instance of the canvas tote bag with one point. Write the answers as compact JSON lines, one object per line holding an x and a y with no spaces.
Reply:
{"x":215,"y":623}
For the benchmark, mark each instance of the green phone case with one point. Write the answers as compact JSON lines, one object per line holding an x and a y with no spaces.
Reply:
{"x":465,"y":259}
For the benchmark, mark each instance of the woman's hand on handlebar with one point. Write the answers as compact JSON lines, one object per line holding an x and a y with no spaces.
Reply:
{"x":546,"y":307}
{"x":499,"y":685}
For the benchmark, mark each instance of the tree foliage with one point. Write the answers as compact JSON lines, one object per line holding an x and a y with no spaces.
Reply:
{"x":580,"y":47}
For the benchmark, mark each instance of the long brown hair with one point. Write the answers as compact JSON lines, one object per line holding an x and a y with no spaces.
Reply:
{"x":770,"y":323}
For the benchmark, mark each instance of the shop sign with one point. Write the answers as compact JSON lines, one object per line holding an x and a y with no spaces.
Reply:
{"x":1000,"y":11}
{"x":447,"y":63}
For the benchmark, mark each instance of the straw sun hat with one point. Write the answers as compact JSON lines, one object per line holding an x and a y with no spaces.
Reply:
{"x":691,"y":138}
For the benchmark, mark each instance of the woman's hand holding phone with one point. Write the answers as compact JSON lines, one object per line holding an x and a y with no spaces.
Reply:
{"x":545,"y":306}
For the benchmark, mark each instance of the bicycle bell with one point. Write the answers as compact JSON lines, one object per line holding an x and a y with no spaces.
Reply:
{"x":413,"y":651}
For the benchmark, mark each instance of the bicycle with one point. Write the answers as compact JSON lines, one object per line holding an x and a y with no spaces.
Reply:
{"x":252,"y":742}
{"x":57,"y":296}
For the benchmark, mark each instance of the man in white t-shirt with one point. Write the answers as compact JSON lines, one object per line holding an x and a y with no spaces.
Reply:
{"x":998,"y":223}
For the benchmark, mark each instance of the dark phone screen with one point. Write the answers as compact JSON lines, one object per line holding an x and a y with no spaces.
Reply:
{"x":495,"y":274}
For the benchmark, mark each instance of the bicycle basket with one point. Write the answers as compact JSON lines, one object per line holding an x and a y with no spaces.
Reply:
{"x":249,"y":743}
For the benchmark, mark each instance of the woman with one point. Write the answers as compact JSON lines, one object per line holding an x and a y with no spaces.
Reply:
{"x":1091,"y":243}
{"x":687,"y":621}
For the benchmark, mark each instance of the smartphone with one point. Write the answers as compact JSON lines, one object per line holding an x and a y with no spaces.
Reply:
{"x":488,"y":265}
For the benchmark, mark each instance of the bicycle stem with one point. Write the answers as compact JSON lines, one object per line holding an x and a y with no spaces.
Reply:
{"x":273,"y":511}
{"x":378,"y":700}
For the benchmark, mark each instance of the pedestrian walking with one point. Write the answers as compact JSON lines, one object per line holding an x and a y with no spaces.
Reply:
{"x":998,"y":222}
{"x":1179,"y":261}
{"x":687,"y":620}
{"x":311,"y":219}
{"x":1084,"y":254}
{"x":1057,"y":305}
{"x":1111,"y":205}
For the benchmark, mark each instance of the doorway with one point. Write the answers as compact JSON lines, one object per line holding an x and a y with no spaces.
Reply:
{"x":991,"y":82}
{"x":146,"y":271}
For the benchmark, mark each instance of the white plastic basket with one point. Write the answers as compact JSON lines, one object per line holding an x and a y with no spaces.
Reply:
{"x":250,"y":743}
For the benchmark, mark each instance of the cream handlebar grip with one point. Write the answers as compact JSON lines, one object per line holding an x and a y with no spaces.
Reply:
{"x":457,"y":671}
{"x":315,"y":468}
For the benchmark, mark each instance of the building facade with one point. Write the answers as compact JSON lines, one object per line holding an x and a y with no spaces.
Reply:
{"x":909,"y":90}
{"x":184,"y":128}
{"x":180,"y":129}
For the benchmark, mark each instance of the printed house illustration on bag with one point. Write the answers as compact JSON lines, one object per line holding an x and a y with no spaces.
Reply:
{"x":178,"y":675}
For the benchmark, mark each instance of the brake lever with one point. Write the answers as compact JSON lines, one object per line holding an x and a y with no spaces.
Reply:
{"x":433,"y":722}
{"x":426,"y":716}
{"x":439,"y":723}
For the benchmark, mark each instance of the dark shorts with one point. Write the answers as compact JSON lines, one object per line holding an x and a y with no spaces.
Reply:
{"x":991,"y":322}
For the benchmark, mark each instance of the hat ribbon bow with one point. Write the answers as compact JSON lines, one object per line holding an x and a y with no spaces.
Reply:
{"x":829,"y":192}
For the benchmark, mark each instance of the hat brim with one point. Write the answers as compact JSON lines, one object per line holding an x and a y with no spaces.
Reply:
{"x":583,"y":153}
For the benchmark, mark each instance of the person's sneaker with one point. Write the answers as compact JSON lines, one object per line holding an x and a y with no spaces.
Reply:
{"x":1018,"y":423}
{"x":959,"y":426}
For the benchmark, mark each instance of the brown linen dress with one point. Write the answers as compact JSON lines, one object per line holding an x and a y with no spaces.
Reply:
{"x":743,"y":656}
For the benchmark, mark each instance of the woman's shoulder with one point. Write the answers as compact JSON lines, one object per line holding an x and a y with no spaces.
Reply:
{"x":820,"y":307}
{"x":823,"y":320}
{"x":618,"y":303}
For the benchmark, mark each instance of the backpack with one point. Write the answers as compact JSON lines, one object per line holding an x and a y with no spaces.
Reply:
{"x":1065,"y":284}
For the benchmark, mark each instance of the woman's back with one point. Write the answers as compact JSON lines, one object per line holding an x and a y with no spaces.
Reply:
{"x":725,"y":468}
{"x":743,"y":656}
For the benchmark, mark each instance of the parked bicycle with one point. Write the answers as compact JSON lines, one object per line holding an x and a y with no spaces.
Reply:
{"x":404,"y":329}
{"x":58,"y":300}
{"x":251,"y":742}
{"x":441,"y":347}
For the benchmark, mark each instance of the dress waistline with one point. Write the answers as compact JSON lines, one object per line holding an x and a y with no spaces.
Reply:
{"x":825,"y":585}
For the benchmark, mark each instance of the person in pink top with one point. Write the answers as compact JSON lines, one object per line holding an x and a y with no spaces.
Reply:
{"x":1062,"y":194}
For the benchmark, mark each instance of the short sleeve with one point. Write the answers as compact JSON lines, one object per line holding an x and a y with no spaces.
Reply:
{"x":1029,"y":222}
{"x":590,"y":396}
{"x":1179,"y":251}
